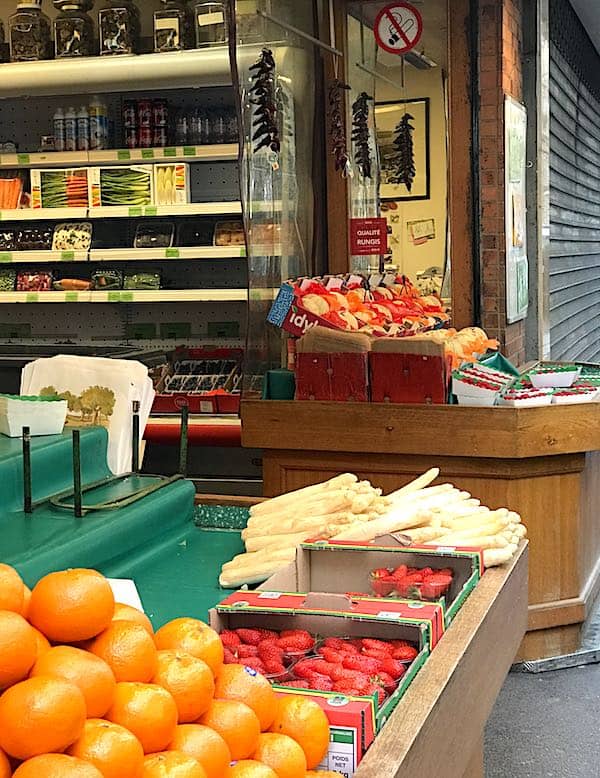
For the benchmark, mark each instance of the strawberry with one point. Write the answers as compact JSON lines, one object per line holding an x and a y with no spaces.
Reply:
{"x":376,"y":653}
{"x":268,"y":651}
{"x":404,"y":653}
{"x":320,"y":682}
{"x":383,"y":587}
{"x":371,"y":689}
{"x":400,"y":643}
{"x":250,"y":637}
{"x":229,"y":638}
{"x":380,"y":645}
{"x":307,"y":666}
{"x":346,"y":687}
{"x":268,"y":634}
{"x":296,"y":684}
{"x":331,"y":655}
{"x":255,"y":664}
{"x":379,"y":572}
{"x":244,"y":651}
{"x":229,"y":658}
{"x":400,"y":572}
{"x":273,"y":667}
{"x":296,"y":639}
{"x":359,"y":680}
{"x":364,"y":664}
{"x":393,"y":667}
{"x":336,"y":643}
{"x":385,"y":680}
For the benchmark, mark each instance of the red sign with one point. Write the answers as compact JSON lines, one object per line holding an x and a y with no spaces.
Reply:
{"x":398,"y":28}
{"x":368,"y":236}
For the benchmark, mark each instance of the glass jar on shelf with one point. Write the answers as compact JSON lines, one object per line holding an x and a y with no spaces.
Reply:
{"x":209,"y":24}
{"x":73,"y":29}
{"x":29,"y":33}
{"x":119,"y":27}
{"x":171,"y":26}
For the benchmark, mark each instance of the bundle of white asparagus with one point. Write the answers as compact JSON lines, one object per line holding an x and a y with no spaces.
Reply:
{"x":345,"y":508}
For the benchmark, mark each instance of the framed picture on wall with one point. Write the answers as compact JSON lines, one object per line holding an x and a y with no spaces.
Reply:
{"x":403,"y":138}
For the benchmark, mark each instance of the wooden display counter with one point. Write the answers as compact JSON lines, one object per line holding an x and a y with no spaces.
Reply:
{"x":542,"y":462}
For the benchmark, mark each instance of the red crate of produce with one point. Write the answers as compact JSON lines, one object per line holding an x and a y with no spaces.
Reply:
{"x":338,"y":377}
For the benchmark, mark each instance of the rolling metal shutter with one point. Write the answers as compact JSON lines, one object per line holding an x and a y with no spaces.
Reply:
{"x":574,"y":283}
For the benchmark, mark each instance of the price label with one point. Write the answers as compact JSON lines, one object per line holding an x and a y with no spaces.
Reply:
{"x":189,"y":151}
{"x":6,"y":257}
{"x":147,"y":153}
{"x":172,"y":253}
{"x":127,"y":297}
{"x":23,"y":159}
{"x":151,"y":210}
{"x":71,"y":297}
{"x":135,"y":211}
{"x":32,"y":297}
{"x":67,"y":256}
{"x":142,"y":331}
{"x":114,"y":297}
{"x":170,"y":152}
{"x":123,"y":154}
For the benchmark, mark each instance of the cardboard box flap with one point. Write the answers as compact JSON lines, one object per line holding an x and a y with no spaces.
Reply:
{"x":323,"y":601}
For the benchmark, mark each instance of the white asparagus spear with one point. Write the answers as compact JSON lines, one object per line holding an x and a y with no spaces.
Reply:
{"x":329,"y":502}
{"x":480,"y":541}
{"x":395,"y":521}
{"x":242,"y":560}
{"x":298,"y":525}
{"x":233,"y":579}
{"x":275,"y":503}
{"x":498,"y":556}
{"x":419,"y":483}
{"x":485,"y":528}
{"x":424,"y":534}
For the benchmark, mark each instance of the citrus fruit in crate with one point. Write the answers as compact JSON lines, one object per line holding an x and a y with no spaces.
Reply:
{"x":42,"y":643}
{"x":5,"y":770}
{"x":195,"y":638}
{"x":305,"y":722}
{"x":237,"y":682}
{"x":56,"y":766}
{"x":146,"y":710}
{"x":282,"y":754}
{"x":249,"y":768}
{"x":237,"y":724}
{"x":189,"y":680}
{"x":203,"y":744}
{"x":18,"y":648}
{"x":39,"y":716}
{"x":12,"y":590}
{"x":128,"y":650}
{"x":26,"y":601}
{"x":89,"y":673}
{"x":129,"y":613}
{"x":172,"y":764}
{"x":114,"y":750}
{"x":71,"y":605}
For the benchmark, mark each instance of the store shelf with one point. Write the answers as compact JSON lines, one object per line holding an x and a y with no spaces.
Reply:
{"x":123,"y":296}
{"x":233,"y":208}
{"x":222,"y":152}
{"x":43,"y":256}
{"x":37,"y":214}
{"x":186,"y":252}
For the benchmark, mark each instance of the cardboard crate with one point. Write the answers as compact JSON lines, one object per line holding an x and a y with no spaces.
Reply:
{"x":42,"y":179}
{"x":335,"y":377}
{"x":335,"y":566}
{"x":96,"y":195}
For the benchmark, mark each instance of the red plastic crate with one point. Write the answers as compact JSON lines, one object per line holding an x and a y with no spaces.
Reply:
{"x":338,"y":377}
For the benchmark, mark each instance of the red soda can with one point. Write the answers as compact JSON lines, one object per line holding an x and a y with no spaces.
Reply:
{"x":160,"y":137}
{"x":145,"y":137}
{"x":144,"y":113}
{"x":131,"y":138}
{"x":161,"y":113}
{"x":129,"y":114}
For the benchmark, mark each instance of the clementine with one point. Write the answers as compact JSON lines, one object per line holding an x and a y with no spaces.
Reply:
{"x":91,"y":674}
{"x":71,"y":605}
{"x":12,"y":592}
{"x":237,"y":724}
{"x":56,"y":766}
{"x":42,"y":643}
{"x":236,"y":682}
{"x":128,"y":650}
{"x":148,"y":711}
{"x":26,"y":601}
{"x":115,"y":751}
{"x":282,"y":754}
{"x":189,"y":680}
{"x":40,"y":715}
{"x":249,"y":768}
{"x":18,"y":648}
{"x":129,"y":613}
{"x":172,"y":764}
{"x":203,"y":744}
{"x":305,"y":722}
{"x":195,"y":638}
{"x":5,"y":769}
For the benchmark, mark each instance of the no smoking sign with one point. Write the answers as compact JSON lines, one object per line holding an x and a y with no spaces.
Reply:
{"x":398,"y":28}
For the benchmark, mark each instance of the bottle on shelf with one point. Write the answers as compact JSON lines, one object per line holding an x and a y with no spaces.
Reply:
{"x":58,"y":128}
{"x":30,"y":33}
{"x":98,"y":124}
{"x":209,"y":24}
{"x":119,"y":27}
{"x":73,"y":29}
{"x":83,"y":129}
{"x":71,"y":130}
{"x":171,"y":26}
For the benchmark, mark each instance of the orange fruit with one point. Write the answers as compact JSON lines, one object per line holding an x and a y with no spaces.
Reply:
{"x":236,"y":682}
{"x":203,"y":744}
{"x":305,"y":722}
{"x":128,"y":650}
{"x":148,"y":711}
{"x":56,"y":766}
{"x":281,"y":754}
{"x":42,"y":642}
{"x":18,"y":648}
{"x":189,"y":680}
{"x":249,"y":768}
{"x":322,"y":774}
{"x":172,"y":764}
{"x":5,"y":770}
{"x":26,"y":601}
{"x":111,"y":748}
{"x":40,"y":715}
{"x":89,"y":673}
{"x":129,"y":613}
{"x":195,"y":638}
{"x":71,"y":605}
{"x":12,"y":592}
{"x":237,"y":724}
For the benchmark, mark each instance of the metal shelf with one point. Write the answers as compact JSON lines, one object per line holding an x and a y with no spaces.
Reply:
{"x":184,"y":252}
{"x":233,"y":208}
{"x":43,"y":256}
{"x":125,"y":296}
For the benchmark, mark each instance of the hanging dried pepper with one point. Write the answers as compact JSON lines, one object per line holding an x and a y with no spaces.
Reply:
{"x":360,"y":134}
{"x":265,"y":133}
{"x":337,"y":126}
{"x":404,"y":157}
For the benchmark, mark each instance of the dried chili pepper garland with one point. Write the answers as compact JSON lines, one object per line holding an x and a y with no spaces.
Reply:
{"x":360,"y":134}
{"x":337,"y":126}
{"x":265,"y":132}
{"x":404,"y":157}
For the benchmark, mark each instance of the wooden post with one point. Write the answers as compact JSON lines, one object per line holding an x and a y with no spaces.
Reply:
{"x":27,"y":500}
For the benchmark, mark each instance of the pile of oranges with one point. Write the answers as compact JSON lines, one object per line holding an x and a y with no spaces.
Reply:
{"x":88,"y":690}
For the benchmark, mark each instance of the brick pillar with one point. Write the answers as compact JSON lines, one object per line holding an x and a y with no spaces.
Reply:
{"x":500,"y":51}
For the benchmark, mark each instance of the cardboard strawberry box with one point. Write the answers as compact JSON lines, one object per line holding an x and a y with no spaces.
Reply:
{"x":346,"y":567}
{"x":335,"y":616}
{"x":335,"y":377}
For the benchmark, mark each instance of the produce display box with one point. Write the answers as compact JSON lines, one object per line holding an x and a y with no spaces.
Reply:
{"x":172,"y":183}
{"x":121,"y":185}
{"x":416,"y":371}
{"x":335,"y":566}
{"x":60,"y":188}
{"x":337,"y":377}
{"x":333,"y":615}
